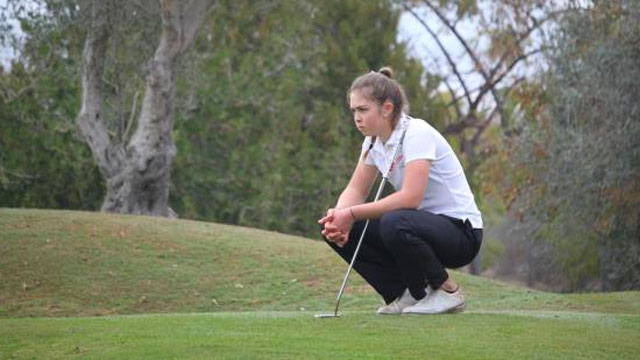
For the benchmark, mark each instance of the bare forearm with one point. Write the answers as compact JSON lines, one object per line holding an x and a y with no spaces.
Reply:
{"x":374,"y":210}
{"x":408,"y":197}
{"x":349,"y":197}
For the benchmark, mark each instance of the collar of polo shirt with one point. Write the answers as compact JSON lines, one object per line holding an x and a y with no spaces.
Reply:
{"x":393,"y":139}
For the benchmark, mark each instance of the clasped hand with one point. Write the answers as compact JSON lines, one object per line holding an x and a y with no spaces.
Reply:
{"x":337,"y":224}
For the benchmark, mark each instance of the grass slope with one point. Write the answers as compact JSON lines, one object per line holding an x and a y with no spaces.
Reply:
{"x":245,"y":293}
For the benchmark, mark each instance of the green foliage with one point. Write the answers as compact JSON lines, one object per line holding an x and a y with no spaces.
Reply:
{"x":261,"y":129}
{"x":580,"y":196}
{"x":271,"y":144}
{"x":43,"y":161}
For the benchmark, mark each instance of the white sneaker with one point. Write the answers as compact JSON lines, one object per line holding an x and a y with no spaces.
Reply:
{"x":400,"y":303}
{"x":438,"y":302}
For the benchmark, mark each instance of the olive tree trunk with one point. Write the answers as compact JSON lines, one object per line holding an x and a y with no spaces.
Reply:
{"x":137,"y":173}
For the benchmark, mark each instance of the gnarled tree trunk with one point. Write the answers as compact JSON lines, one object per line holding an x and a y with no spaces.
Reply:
{"x":137,"y":174}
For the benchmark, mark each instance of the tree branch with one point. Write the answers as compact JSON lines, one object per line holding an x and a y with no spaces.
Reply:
{"x":478,"y":64}
{"x":483,"y":126}
{"x":192,"y":18}
{"x":125,"y":135}
{"x":462,"y":41}
{"x":152,"y":138}
{"x":523,"y":37}
{"x":90,"y":119}
{"x":442,"y":48}
{"x":453,"y":103}
{"x":491,"y":85}
{"x":457,"y":127}
{"x":455,"y":98}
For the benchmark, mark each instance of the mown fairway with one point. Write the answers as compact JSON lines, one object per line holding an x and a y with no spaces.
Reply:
{"x":88,"y":285}
{"x":288,"y":335}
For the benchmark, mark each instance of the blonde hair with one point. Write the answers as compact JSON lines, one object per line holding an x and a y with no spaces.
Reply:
{"x":380,"y":87}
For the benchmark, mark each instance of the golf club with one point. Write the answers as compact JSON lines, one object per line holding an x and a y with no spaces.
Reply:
{"x":385,"y":176}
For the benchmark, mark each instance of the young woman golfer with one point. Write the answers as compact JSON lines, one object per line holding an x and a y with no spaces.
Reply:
{"x":430,"y":223}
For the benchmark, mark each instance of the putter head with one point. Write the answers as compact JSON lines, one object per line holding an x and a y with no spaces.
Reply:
{"x":325,"y":316}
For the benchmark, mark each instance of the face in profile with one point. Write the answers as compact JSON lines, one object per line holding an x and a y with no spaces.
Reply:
{"x":367,"y":114}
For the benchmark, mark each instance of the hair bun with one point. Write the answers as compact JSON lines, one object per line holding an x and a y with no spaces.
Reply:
{"x":386,"y":71}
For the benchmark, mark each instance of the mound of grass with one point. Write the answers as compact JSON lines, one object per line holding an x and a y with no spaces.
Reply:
{"x":62,"y":263}
{"x":66,"y":263}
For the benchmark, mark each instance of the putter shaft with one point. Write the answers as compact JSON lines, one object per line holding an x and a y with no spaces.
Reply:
{"x":385,"y":176}
{"x":355,"y":253}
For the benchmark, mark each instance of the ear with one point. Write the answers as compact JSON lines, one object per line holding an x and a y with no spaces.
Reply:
{"x":387,"y":108}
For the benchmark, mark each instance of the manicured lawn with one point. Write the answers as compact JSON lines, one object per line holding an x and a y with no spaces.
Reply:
{"x":297,"y":335}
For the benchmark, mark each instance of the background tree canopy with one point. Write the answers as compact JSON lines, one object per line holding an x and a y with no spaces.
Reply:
{"x":263,"y":137}
{"x":271,"y":120}
{"x":577,"y":166}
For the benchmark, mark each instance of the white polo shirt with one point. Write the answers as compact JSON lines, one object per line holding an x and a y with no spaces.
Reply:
{"x":447,"y":190}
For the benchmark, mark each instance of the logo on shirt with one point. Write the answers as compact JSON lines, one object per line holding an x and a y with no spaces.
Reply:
{"x":397,"y":162}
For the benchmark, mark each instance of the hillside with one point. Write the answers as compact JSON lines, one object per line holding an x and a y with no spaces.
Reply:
{"x":65,"y":263}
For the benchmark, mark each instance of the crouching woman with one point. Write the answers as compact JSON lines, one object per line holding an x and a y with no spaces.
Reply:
{"x":430,"y":223}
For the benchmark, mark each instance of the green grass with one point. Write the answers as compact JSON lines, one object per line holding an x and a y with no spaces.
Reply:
{"x":287,"y":335}
{"x":92,"y":285}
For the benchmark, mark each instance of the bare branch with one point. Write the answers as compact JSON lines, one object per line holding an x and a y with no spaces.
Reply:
{"x":462,"y":41}
{"x":478,"y":64}
{"x":442,"y":48}
{"x":537,"y":23}
{"x":454,"y":102}
{"x":491,"y":85}
{"x":455,"y":98}
{"x":458,"y":127}
{"x":472,"y":91}
{"x":192,"y":18}
{"x":91,"y":116}
{"x":152,"y":138}
{"x":483,"y":126}
{"x":514,"y":84}
{"x":125,"y":135}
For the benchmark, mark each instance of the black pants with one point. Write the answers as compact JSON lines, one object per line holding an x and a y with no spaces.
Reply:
{"x":410,"y":249}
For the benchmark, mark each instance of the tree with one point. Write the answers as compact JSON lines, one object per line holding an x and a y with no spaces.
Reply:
{"x":283,"y":143}
{"x":261,"y":126}
{"x":577,"y":169}
{"x":44,"y":162}
{"x":137,"y":173}
{"x":498,"y":50}
{"x":481,"y":68}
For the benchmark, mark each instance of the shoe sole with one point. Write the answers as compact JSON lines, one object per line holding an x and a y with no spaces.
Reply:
{"x":453,"y":310}
{"x":457,"y":309}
